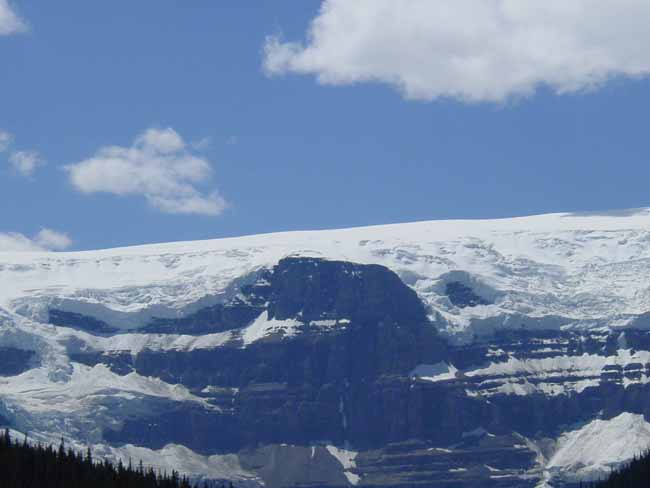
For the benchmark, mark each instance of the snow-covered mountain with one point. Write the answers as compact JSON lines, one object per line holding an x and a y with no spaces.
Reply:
{"x":507,"y":349}
{"x":561,"y":269}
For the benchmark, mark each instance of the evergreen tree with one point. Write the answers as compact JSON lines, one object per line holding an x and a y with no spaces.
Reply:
{"x":636,"y":474}
{"x":25,"y":466}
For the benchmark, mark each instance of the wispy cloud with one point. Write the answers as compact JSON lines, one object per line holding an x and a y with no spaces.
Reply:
{"x":159,"y":166}
{"x":45,"y":240}
{"x":470,"y":50}
{"x":26,"y":162}
{"x":10,"y":22}
{"x":53,"y":240}
{"x":23,"y":162}
{"x":6,"y":139}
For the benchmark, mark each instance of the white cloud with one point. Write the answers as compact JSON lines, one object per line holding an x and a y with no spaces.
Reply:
{"x":163,"y":141}
{"x":471,"y":50}
{"x":6,"y":139}
{"x":10,"y":23}
{"x":11,"y":242}
{"x":45,"y":240}
{"x":26,"y":162}
{"x":52,"y":240}
{"x":158,"y":166}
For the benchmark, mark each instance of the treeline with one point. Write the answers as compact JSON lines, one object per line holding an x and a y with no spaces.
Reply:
{"x":635,"y":474}
{"x":27,"y":466}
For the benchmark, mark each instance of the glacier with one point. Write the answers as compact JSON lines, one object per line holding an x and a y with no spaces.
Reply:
{"x":565,"y":278}
{"x":557,"y":270}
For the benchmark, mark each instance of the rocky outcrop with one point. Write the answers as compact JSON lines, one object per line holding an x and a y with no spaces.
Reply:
{"x":342,"y":381}
{"x":14,"y":361}
{"x":79,"y":321}
{"x":462,"y":295}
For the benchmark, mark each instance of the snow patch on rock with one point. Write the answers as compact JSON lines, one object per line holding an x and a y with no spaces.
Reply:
{"x":347,"y":459}
{"x":548,"y":375}
{"x":434,"y":372}
{"x":593,"y":450}
{"x":182,"y":460}
{"x":264,"y":327}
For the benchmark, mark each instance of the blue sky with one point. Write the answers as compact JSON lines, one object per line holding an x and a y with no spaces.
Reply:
{"x":296,"y":139}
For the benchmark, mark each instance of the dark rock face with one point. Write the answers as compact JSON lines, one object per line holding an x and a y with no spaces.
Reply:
{"x":202,"y":430}
{"x":16,"y":361}
{"x":340,"y":384}
{"x":79,"y":321}
{"x":218,"y":318}
{"x":317,"y":289}
{"x":473,"y":462}
{"x":304,"y":466}
{"x":462,"y":295}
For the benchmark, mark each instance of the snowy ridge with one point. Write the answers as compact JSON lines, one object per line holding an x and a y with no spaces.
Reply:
{"x":549,"y":271}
